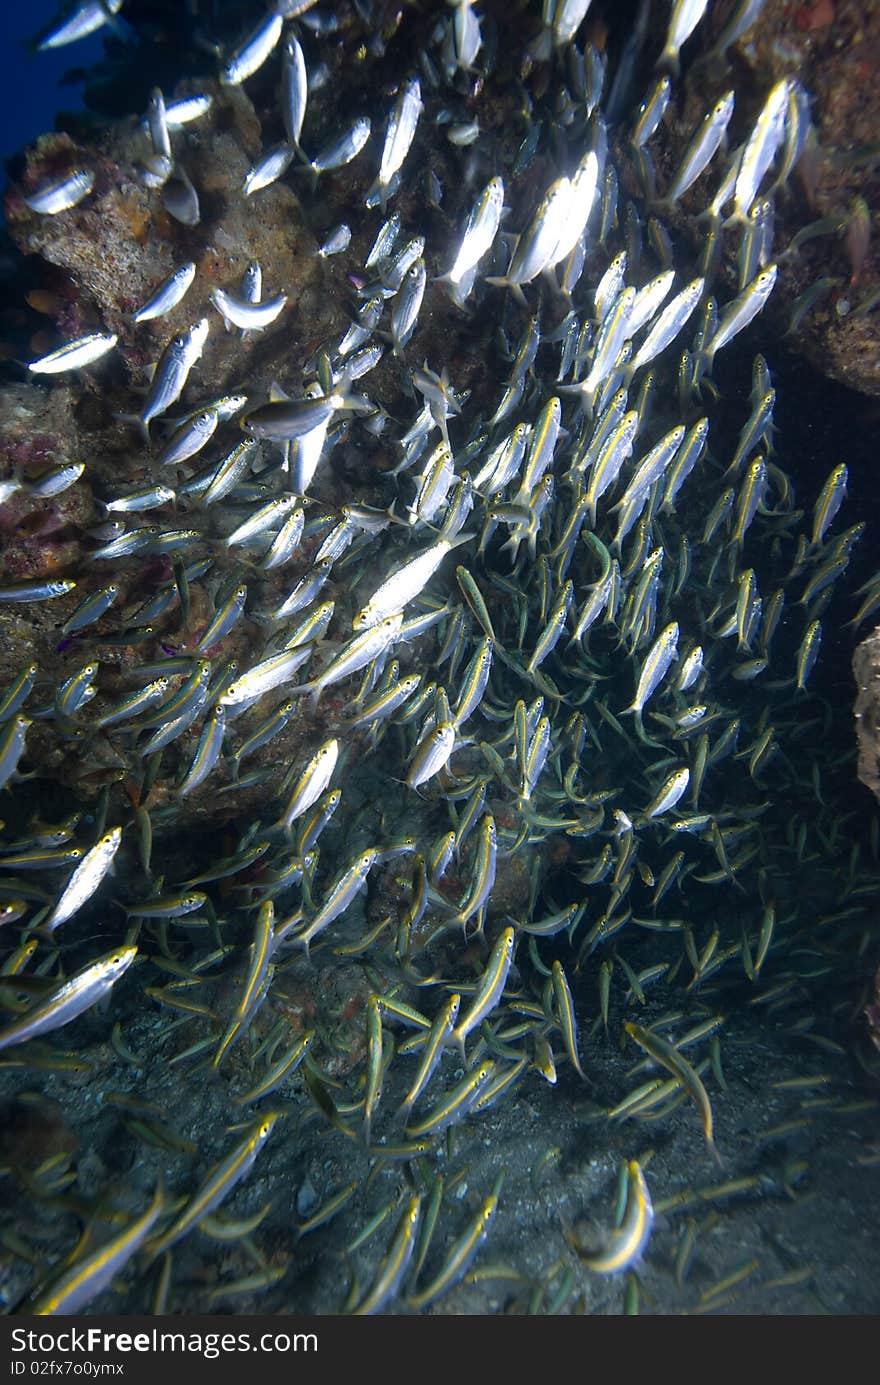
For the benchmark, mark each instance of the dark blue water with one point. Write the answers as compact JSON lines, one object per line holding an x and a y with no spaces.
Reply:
{"x":38,"y":85}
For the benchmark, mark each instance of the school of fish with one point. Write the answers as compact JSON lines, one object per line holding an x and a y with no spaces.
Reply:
{"x":552,"y":665}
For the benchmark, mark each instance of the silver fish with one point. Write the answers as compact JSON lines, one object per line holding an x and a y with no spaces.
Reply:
{"x":262,"y":677}
{"x":431,"y":754}
{"x":399,"y":133}
{"x":284,"y":419}
{"x":612,"y":335}
{"x":249,"y":58}
{"x":189,"y":438}
{"x":393,"y":1268}
{"x":75,"y":354}
{"x":219,"y":1182}
{"x":61,"y":196}
{"x":294,"y":88}
{"x":85,"y":19}
{"x":186,"y":109}
{"x":77,"y":1284}
{"x":341,"y":894}
{"x":172,"y":371}
{"x":656,"y":665}
{"x":702,"y":147}
{"x":829,"y":502}
{"x":648,"y":300}
{"x":491,"y":985}
{"x":230,"y":471}
{"x":341,"y":149}
{"x":312,"y":782}
{"x":250,"y":317}
{"x":285,"y":542}
{"x":157,"y":124}
{"x":91,"y":609}
{"x":673,"y":789}
{"x":760,"y":148}
{"x":354,"y":655}
{"x":479,"y":233}
{"x":652,"y":467}
{"x":686,"y":15}
{"x":85,"y":879}
{"x":271,"y":166}
{"x":83,"y":990}
{"x":405,"y":312}
{"x":167,"y":296}
{"x":463,"y":39}
{"x":207,"y":752}
{"x":305,"y":592}
{"x":536,"y":246}
{"x":225,"y":617}
{"x":582,"y":194}
{"x":668,"y":325}
{"x":335,"y":242}
{"x":740,"y":312}
{"x":651,"y":112}
{"x":38,"y":591}
{"x":55,"y":482}
{"x":179,"y":197}
{"x":403,"y":585}
{"x":808,"y":653}
{"x":12,"y":743}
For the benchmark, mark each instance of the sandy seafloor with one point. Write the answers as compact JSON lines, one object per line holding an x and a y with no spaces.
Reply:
{"x":817,"y":1205}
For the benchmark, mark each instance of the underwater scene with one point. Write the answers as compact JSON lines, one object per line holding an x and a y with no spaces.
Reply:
{"x":439,"y":708}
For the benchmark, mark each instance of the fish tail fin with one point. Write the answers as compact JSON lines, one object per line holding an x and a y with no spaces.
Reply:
{"x":670,"y":62}
{"x":642,"y":735}
{"x":636,"y":712}
{"x":137,"y":422}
